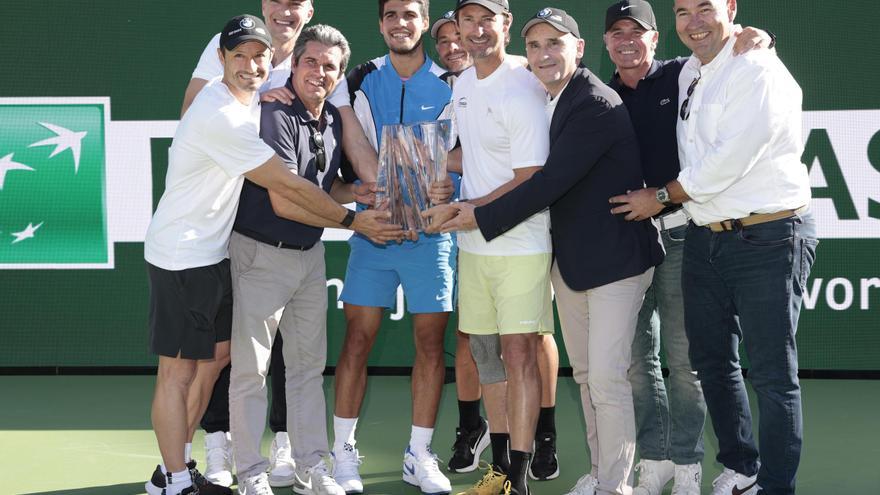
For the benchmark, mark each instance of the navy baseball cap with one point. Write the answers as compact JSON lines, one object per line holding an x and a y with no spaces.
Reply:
{"x":639,"y":11}
{"x":557,"y":18}
{"x":496,"y":6}
{"x":243,"y":28}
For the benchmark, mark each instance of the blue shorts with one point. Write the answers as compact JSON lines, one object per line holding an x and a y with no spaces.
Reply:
{"x":425,"y":269}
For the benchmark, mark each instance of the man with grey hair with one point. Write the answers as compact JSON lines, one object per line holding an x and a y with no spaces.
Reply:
{"x":278,"y":269}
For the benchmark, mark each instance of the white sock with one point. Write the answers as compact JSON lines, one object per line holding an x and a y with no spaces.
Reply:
{"x":187,"y":452}
{"x":179,"y":480}
{"x":420,"y":441}
{"x":343,"y":431}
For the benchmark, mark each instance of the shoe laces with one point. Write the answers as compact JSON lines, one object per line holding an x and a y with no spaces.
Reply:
{"x":649,"y":477}
{"x":347,"y":462}
{"x":259,"y":485}
{"x":490,"y":476}
{"x":280,"y":451}
{"x":545,"y":449}
{"x":688,"y":475}
{"x":726,"y":480}
{"x":321,"y":472}
{"x":429,"y":463}
{"x":507,"y":487}
{"x":585,"y":483}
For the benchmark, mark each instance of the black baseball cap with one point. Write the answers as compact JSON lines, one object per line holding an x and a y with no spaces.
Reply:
{"x":496,"y":6}
{"x":557,"y":18}
{"x":639,"y":11}
{"x":243,"y":28}
{"x":445,"y":18}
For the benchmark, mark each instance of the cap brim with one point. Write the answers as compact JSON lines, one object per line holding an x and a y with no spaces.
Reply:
{"x":533,"y":21}
{"x":248,"y":37}
{"x":492,"y":6}
{"x":437,"y":25}
{"x":640,"y":22}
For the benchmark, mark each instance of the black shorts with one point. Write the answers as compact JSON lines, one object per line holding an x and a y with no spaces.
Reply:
{"x":190,"y":310}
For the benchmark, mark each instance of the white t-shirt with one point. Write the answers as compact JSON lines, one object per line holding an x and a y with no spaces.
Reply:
{"x":217,"y":141}
{"x":502,"y":123}
{"x":210,"y":67}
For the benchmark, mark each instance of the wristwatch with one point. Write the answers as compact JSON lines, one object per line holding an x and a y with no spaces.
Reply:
{"x":662,"y":196}
{"x":349,"y":219}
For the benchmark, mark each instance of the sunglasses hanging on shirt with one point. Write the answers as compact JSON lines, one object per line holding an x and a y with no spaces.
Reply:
{"x":685,"y":107}
{"x":318,"y":145}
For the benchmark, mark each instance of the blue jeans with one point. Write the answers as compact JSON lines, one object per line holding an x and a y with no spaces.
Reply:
{"x":670,"y":415}
{"x":747,"y":286}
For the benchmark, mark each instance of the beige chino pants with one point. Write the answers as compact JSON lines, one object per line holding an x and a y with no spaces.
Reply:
{"x":265,"y":280}
{"x":598,"y":326}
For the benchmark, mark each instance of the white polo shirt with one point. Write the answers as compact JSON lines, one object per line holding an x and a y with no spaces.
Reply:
{"x":217,"y":141}
{"x":740,"y":149}
{"x":502,"y":123}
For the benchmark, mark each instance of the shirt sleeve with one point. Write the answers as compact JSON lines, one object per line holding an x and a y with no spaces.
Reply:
{"x":529,"y":130}
{"x":234,"y":145}
{"x":209,"y":65}
{"x":340,"y":96}
{"x":276,"y":130}
{"x":745,"y":121}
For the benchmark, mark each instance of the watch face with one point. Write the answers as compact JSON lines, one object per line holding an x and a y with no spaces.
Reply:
{"x":662,"y":195}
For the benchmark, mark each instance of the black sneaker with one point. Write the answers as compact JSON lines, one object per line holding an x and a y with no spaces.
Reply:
{"x":468,"y":447}
{"x":545,"y":465}
{"x":159,"y":481}
{"x":204,"y":486}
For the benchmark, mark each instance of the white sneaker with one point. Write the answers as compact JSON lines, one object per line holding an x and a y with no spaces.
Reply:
{"x":586,"y":485}
{"x":218,"y":458}
{"x":318,"y":481}
{"x":688,"y":478}
{"x":255,"y":485}
{"x":730,"y":482}
{"x":282,"y":469}
{"x":653,"y":476}
{"x":424,"y":473}
{"x":345,"y":469}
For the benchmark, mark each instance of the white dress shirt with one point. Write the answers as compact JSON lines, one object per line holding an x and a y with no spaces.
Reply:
{"x":741,"y":147}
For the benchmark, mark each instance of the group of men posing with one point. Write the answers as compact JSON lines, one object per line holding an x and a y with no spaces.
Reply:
{"x":696,"y":160}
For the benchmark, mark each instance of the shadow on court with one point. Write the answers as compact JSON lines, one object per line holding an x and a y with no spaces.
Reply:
{"x":121,"y":489}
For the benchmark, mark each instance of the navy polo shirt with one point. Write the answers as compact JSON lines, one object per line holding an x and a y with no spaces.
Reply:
{"x":288,"y":130}
{"x":653,"y":109}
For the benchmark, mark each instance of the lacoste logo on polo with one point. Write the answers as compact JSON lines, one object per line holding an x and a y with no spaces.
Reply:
{"x":247,"y":23}
{"x":664,"y":101}
{"x":53,"y":210}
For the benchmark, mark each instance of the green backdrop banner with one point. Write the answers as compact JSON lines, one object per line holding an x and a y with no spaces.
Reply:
{"x":90,"y":99}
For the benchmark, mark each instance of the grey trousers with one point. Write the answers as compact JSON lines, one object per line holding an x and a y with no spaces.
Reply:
{"x":598,"y":326}
{"x":274,"y":290}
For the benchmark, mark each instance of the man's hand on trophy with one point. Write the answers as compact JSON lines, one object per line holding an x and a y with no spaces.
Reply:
{"x":441,"y":190}
{"x":439,"y":215}
{"x":365,"y":193}
{"x":465,"y":220}
{"x":374,"y":224}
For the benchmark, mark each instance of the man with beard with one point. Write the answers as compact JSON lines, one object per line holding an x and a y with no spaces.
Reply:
{"x":403,"y":86}
{"x":216,"y":144}
{"x":284,"y":21}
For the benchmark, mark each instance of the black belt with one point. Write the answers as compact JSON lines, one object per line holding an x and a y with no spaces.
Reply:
{"x":277,"y":244}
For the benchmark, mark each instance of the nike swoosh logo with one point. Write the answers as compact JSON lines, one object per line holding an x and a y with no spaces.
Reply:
{"x":739,"y":491}
{"x":626,"y":7}
{"x":411,"y":469}
{"x":426,"y":108}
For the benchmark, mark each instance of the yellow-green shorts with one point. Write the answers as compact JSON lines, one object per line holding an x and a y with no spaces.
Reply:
{"x":504,"y":294}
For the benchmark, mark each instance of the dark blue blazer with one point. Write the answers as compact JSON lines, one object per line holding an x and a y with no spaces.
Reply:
{"x":594,"y":155}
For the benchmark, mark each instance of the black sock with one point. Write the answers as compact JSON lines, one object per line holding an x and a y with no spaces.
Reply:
{"x":469,"y":414}
{"x":500,"y":453}
{"x":546,"y":421}
{"x":519,"y":466}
